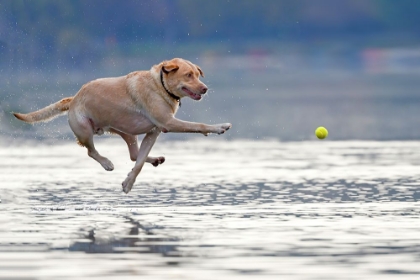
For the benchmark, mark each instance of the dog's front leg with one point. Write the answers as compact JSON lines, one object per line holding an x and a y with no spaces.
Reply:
{"x":145,"y":147}
{"x":176,"y":125}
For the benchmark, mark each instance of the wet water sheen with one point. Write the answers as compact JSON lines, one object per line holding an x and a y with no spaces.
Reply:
{"x":214,"y":210}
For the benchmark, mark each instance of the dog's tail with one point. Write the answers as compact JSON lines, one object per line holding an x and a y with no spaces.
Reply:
{"x":48,"y":113}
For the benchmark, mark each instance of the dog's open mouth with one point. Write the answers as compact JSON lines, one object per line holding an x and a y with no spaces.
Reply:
{"x":191,"y":94}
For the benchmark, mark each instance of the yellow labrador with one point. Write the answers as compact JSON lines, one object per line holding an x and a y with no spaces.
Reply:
{"x":140,"y":102}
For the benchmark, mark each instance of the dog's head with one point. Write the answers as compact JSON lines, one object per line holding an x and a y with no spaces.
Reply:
{"x":182,"y":78}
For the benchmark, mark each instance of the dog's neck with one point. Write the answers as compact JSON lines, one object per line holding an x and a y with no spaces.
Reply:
{"x":177,"y":98}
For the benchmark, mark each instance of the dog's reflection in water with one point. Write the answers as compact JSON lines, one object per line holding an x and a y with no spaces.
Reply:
{"x":139,"y":239}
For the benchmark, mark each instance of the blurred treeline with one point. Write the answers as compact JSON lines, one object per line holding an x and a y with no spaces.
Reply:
{"x":40,"y":30}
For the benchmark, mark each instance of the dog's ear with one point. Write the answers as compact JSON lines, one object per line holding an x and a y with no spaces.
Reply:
{"x":168,"y":66}
{"x":201,"y":72}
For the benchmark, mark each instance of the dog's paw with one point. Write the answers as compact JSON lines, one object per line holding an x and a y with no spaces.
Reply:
{"x":155,"y":161}
{"x":107,"y":164}
{"x":222,"y":128}
{"x":128,"y":183}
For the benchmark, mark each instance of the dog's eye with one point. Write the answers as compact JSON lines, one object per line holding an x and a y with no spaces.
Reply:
{"x":189,"y":75}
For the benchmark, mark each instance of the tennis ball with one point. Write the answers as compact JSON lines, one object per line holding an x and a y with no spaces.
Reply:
{"x":321,"y":132}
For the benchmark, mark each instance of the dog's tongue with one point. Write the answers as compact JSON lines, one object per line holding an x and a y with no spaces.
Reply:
{"x":192,"y":94}
{"x":196,"y":96}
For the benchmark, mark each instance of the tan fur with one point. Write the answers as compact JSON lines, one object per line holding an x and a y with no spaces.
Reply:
{"x":48,"y":113}
{"x":131,"y":105}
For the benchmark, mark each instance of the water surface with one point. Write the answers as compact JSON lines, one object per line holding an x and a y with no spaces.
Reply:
{"x":215,"y":209}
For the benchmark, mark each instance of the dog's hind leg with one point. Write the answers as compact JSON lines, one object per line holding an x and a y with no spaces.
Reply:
{"x":145,"y":147}
{"x":133,"y":148}
{"x":82,"y":128}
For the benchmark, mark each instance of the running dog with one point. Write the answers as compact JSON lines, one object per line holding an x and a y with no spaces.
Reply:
{"x":142,"y":102}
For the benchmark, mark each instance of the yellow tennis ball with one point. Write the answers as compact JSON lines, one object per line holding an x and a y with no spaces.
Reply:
{"x":321,"y":132}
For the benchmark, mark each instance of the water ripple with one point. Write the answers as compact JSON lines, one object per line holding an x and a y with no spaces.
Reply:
{"x":215,"y":209}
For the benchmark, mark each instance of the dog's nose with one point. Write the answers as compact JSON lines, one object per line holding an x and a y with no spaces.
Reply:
{"x":204,"y":90}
